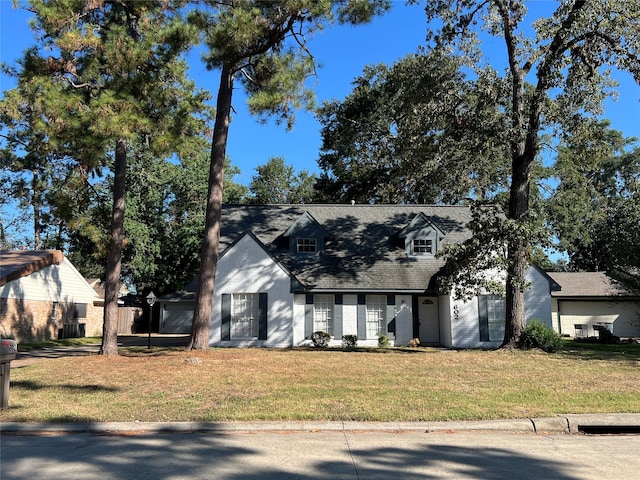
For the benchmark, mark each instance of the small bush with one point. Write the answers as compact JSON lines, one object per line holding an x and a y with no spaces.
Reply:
{"x":538,"y":335}
{"x":349,"y":341}
{"x":414,"y":342}
{"x":320,"y":339}
{"x":383,"y":341}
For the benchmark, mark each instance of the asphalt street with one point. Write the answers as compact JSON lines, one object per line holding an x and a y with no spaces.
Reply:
{"x":319,"y":455}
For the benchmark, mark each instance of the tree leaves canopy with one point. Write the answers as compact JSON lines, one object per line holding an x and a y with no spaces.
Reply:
{"x":419,"y":131}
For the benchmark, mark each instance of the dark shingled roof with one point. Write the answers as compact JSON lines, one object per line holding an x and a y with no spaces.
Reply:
{"x":588,"y":284}
{"x":363,"y":251}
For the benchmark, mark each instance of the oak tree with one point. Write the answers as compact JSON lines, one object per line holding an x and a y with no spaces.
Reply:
{"x":568,"y":57}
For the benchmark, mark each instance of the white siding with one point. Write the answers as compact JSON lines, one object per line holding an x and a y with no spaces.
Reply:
{"x":299,"y":318}
{"x":537,"y":299}
{"x":55,"y":283}
{"x":465,"y":331}
{"x":625,"y":316}
{"x":349,"y":315}
{"x":404,"y":320}
{"x":444,"y":307}
{"x":247,"y":268}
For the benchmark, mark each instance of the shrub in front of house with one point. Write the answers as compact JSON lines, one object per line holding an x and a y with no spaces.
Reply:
{"x":383,"y":341}
{"x":349,"y":341}
{"x":320,"y":339}
{"x":538,"y":335}
{"x":414,"y":342}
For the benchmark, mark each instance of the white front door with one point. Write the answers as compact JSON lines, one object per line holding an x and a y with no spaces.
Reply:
{"x":429,"y":320}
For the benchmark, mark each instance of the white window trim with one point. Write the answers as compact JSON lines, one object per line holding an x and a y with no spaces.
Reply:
{"x":323,"y":313}
{"x":239,"y":307}
{"x":306,"y":245}
{"x":376,"y":314}
{"x":420,"y":244}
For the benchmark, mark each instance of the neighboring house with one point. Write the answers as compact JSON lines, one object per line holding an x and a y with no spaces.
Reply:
{"x":43,"y":296}
{"x":588,"y":299}
{"x":286,"y":271}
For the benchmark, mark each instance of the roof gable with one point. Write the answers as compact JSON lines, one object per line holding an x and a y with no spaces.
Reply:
{"x":305,"y":224}
{"x":419,"y":225}
{"x":15,"y":264}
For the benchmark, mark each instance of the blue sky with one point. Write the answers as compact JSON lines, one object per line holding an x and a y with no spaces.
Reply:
{"x":342,"y":52}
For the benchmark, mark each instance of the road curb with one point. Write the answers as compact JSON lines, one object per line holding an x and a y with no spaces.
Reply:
{"x":560,"y":424}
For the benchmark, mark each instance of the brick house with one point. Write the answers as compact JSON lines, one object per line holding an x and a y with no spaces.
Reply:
{"x":43,"y":296}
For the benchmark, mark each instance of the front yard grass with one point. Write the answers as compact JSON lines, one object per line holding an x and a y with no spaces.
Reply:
{"x":317,"y":385}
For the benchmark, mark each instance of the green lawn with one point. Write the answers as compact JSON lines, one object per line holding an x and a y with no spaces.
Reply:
{"x":306,"y":384}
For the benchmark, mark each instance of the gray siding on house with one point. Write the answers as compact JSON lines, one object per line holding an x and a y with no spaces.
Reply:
{"x":537,"y":298}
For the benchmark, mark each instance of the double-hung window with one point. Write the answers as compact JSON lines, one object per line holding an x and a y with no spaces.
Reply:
{"x":496,"y":314}
{"x":323,"y":313}
{"x":492,"y":313}
{"x":422,"y":246}
{"x":376,"y":314}
{"x":306,"y":245}
{"x":244,"y":315}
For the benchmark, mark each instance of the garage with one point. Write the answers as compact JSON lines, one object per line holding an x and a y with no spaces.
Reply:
{"x":176,"y":313}
{"x":587,"y":301}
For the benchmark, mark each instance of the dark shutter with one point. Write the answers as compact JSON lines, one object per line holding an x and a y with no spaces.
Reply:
{"x":262,"y":316}
{"x":225,"y":333}
{"x":308,"y":315}
{"x":362,"y":316}
{"x":415,"y":307}
{"x":391,"y":313}
{"x":483,"y":318}
{"x":337,"y":316}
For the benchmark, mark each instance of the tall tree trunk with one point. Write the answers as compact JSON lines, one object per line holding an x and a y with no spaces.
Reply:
{"x":201,"y":325}
{"x":114,"y":255}
{"x":517,"y":249}
{"x":36,"y":202}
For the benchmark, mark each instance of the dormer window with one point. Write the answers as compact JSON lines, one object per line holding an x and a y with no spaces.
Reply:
{"x":422,"y":246}
{"x":422,"y":237}
{"x":305,"y":236}
{"x":307,"y":245}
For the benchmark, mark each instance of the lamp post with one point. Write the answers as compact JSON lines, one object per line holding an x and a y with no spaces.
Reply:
{"x":151,"y":299}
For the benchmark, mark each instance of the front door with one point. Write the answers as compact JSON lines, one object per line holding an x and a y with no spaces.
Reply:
{"x":429,"y":320}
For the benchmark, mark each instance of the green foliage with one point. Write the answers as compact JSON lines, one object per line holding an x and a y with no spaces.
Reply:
{"x":277,"y":183}
{"x":383,"y":341}
{"x":538,"y":335}
{"x":320,"y":339}
{"x":349,"y":341}
{"x":420,"y":131}
{"x":569,"y":55}
{"x":595,"y":210}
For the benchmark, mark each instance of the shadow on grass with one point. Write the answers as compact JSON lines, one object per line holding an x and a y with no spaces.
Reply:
{"x":601,"y":351}
{"x":36,"y":386}
{"x":145,"y":352}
